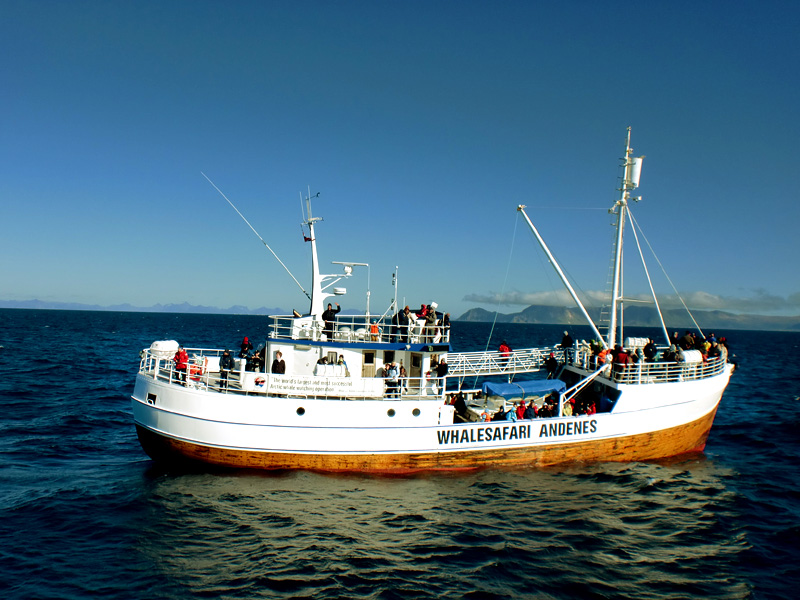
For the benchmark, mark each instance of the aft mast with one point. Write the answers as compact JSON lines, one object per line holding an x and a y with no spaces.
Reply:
{"x":317,"y":297}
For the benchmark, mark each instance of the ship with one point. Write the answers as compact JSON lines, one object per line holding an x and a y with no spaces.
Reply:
{"x":388,"y":394}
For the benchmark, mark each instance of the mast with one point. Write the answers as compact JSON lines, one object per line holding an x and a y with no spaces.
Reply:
{"x":630,"y":181}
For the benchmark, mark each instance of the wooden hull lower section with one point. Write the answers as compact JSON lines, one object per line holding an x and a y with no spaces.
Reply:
{"x":665,"y":443}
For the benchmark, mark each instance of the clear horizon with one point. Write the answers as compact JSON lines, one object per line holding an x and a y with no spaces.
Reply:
{"x":422,"y":125}
{"x":21,"y":304}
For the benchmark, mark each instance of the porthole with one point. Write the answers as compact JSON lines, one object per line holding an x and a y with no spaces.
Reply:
{"x":301,"y":411}
{"x":415,"y":412}
{"x":390,"y":412}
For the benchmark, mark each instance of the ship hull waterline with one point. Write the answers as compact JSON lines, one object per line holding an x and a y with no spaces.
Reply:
{"x":665,"y":443}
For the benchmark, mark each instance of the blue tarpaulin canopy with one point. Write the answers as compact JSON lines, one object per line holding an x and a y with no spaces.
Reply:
{"x":535,"y":387}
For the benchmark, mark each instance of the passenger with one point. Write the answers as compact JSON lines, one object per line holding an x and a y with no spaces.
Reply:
{"x":650,"y":350}
{"x":669,"y":355}
{"x":181,"y":359}
{"x":226,"y":364}
{"x":530,"y":411}
{"x":603,"y":357}
{"x":422,"y":312}
{"x":278,"y":365}
{"x":567,"y":408}
{"x":500,"y":415}
{"x":392,"y":373}
{"x":723,"y":349}
{"x":687,"y":341}
{"x":256,"y":362}
{"x":485,"y":417}
{"x":246,"y":348}
{"x":551,"y":365}
{"x":341,"y":362}
{"x":521,"y":410}
{"x":698,"y":343}
{"x":441,"y":372}
{"x":329,"y":316}
{"x":430,"y":324}
{"x":505,"y":354}
{"x":546,"y":409}
{"x":374,"y":331}
{"x":620,"y":360}
{"x":567,"y":343}
{"x":461,"y":406}
{"x":402,"y":322}
{"x":511,"y":414}
{"x":403,"y":379}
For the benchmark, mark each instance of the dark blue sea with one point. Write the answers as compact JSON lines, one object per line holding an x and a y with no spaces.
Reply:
{"x":84,"y":512}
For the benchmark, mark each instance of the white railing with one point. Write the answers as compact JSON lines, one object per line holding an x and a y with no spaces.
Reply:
{"x":463,"y":364}
{"x":358,"y":328}
{"x":655,"y":372}
{"x":202,"y":372}
{"x":202,"y":368}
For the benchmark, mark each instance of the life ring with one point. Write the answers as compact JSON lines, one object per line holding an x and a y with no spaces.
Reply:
{"x":195,"y":372}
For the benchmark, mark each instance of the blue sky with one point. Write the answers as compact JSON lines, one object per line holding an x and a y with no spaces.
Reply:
{"x":422,"y":124}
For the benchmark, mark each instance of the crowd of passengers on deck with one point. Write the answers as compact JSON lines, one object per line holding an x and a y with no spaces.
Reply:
{"x":710,"y":349}
{"x":402,"y":324}
{"x":527,"y":411}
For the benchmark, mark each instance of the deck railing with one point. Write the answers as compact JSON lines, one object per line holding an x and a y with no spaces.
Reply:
{"x":358,"y":328}
{"x":465,"y":364}
{"x":202,"y":372}
{"x":655,"y":372}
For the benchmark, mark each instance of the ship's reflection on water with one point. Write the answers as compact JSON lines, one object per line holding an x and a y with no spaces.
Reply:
{"x":593,"y":529}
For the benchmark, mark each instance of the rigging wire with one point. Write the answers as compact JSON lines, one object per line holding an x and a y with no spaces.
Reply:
{"x":664,"y":271}
{"x":503,"y":289}
{"x":634,"y":227}
{"x":257,"y":235}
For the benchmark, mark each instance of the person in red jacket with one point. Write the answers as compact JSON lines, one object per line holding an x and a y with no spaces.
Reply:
{"x":181,"y":362}
{"x":521,"y":410}
{"x":505,"y":353}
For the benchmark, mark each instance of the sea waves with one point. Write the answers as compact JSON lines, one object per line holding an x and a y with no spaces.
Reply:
{"x":84,"y":512}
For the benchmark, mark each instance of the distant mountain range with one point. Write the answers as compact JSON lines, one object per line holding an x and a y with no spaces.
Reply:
{"x":635,"y":316}
{"x":641,"y":316}
{"x":184,"y":307}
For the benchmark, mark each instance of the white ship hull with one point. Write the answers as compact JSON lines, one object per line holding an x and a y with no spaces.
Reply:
{"x":650,"y":421}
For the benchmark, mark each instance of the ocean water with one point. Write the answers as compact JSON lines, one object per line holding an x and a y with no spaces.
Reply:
{"x":85,"y":513}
